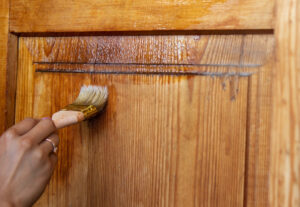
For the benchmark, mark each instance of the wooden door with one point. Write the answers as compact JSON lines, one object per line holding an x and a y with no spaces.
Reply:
{"x":188,"y":120}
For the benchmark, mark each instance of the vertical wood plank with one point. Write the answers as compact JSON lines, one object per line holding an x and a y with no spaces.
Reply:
{"x":285,"y":163}
{"x":3,"y":60}
{"x":25,"y":78}
{"x":258,"y":124}
{"x":11,"y":79}
{"x":8,"y":69}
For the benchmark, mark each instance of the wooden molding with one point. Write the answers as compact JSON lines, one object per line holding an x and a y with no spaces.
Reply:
{"x":3,"y":61}
{"x":8,"y":60}
{"x":139,"y":15}
{"x":285,"y":148}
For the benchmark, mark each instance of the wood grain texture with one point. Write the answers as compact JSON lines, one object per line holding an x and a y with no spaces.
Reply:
{"x":163,"y":140}
{"x":139,"y":15}
{"x":153,"y":146}
{"x":285,"y":170}
{"x":258,"y":137}
{"x":8,"y":70}
{"x":3,"y":60}
{"x":170,"y":50}
{"x":11,"y":79}
{"x":185,"y":55}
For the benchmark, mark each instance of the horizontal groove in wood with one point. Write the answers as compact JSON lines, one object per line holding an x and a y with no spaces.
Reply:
{"x":204,"y":70}
{"x":152,"y":32}
{"x":139,"y":15}
{"x":161,"y":50}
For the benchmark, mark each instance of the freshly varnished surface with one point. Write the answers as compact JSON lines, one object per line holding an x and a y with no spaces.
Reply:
{"x":163,"y":140}
{"x":185,"y":54}
{"x":139,"y":15}
{"x":224,"y":50}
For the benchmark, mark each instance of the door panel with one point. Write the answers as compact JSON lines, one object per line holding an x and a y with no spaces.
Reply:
{"x":181,"y":128}
{"x":161,"y":141}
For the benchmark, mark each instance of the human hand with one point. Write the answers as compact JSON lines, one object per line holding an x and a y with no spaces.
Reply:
{"x":27,"y":161}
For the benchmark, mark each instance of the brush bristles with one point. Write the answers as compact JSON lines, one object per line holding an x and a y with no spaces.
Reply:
{"x":92,"y":95}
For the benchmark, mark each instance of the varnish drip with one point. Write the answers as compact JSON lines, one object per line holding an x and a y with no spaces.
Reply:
{"x":231,"y":83}
{"x":234,"y":87}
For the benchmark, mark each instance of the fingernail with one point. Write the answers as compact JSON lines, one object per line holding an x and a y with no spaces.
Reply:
{"x":44,"y":118}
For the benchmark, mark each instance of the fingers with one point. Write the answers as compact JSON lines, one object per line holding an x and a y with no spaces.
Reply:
{"x":48,"y":164}
{"x":24,"y":126}
{"x":53,"y":160}
{"x":40,"y":131}
{"x":47,"y":145}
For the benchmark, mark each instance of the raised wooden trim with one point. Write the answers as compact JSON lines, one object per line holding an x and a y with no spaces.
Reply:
{"x":139,"y":15}
{"x":11,"y":79}
{"x":3,"y":60}
{"x":285,"y":134}
{"x":8,"y":54}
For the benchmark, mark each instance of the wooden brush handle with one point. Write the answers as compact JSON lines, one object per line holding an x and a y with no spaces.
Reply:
{"x":65,"y":118}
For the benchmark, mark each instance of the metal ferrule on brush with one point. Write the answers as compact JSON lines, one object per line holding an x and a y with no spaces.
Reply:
{"x":88,"y":110}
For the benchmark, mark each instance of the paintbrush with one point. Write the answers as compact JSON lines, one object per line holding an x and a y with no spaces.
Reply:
{"x":90,"y":101}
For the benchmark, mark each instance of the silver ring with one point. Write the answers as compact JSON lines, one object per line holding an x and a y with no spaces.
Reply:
{"x":53,"y":145}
